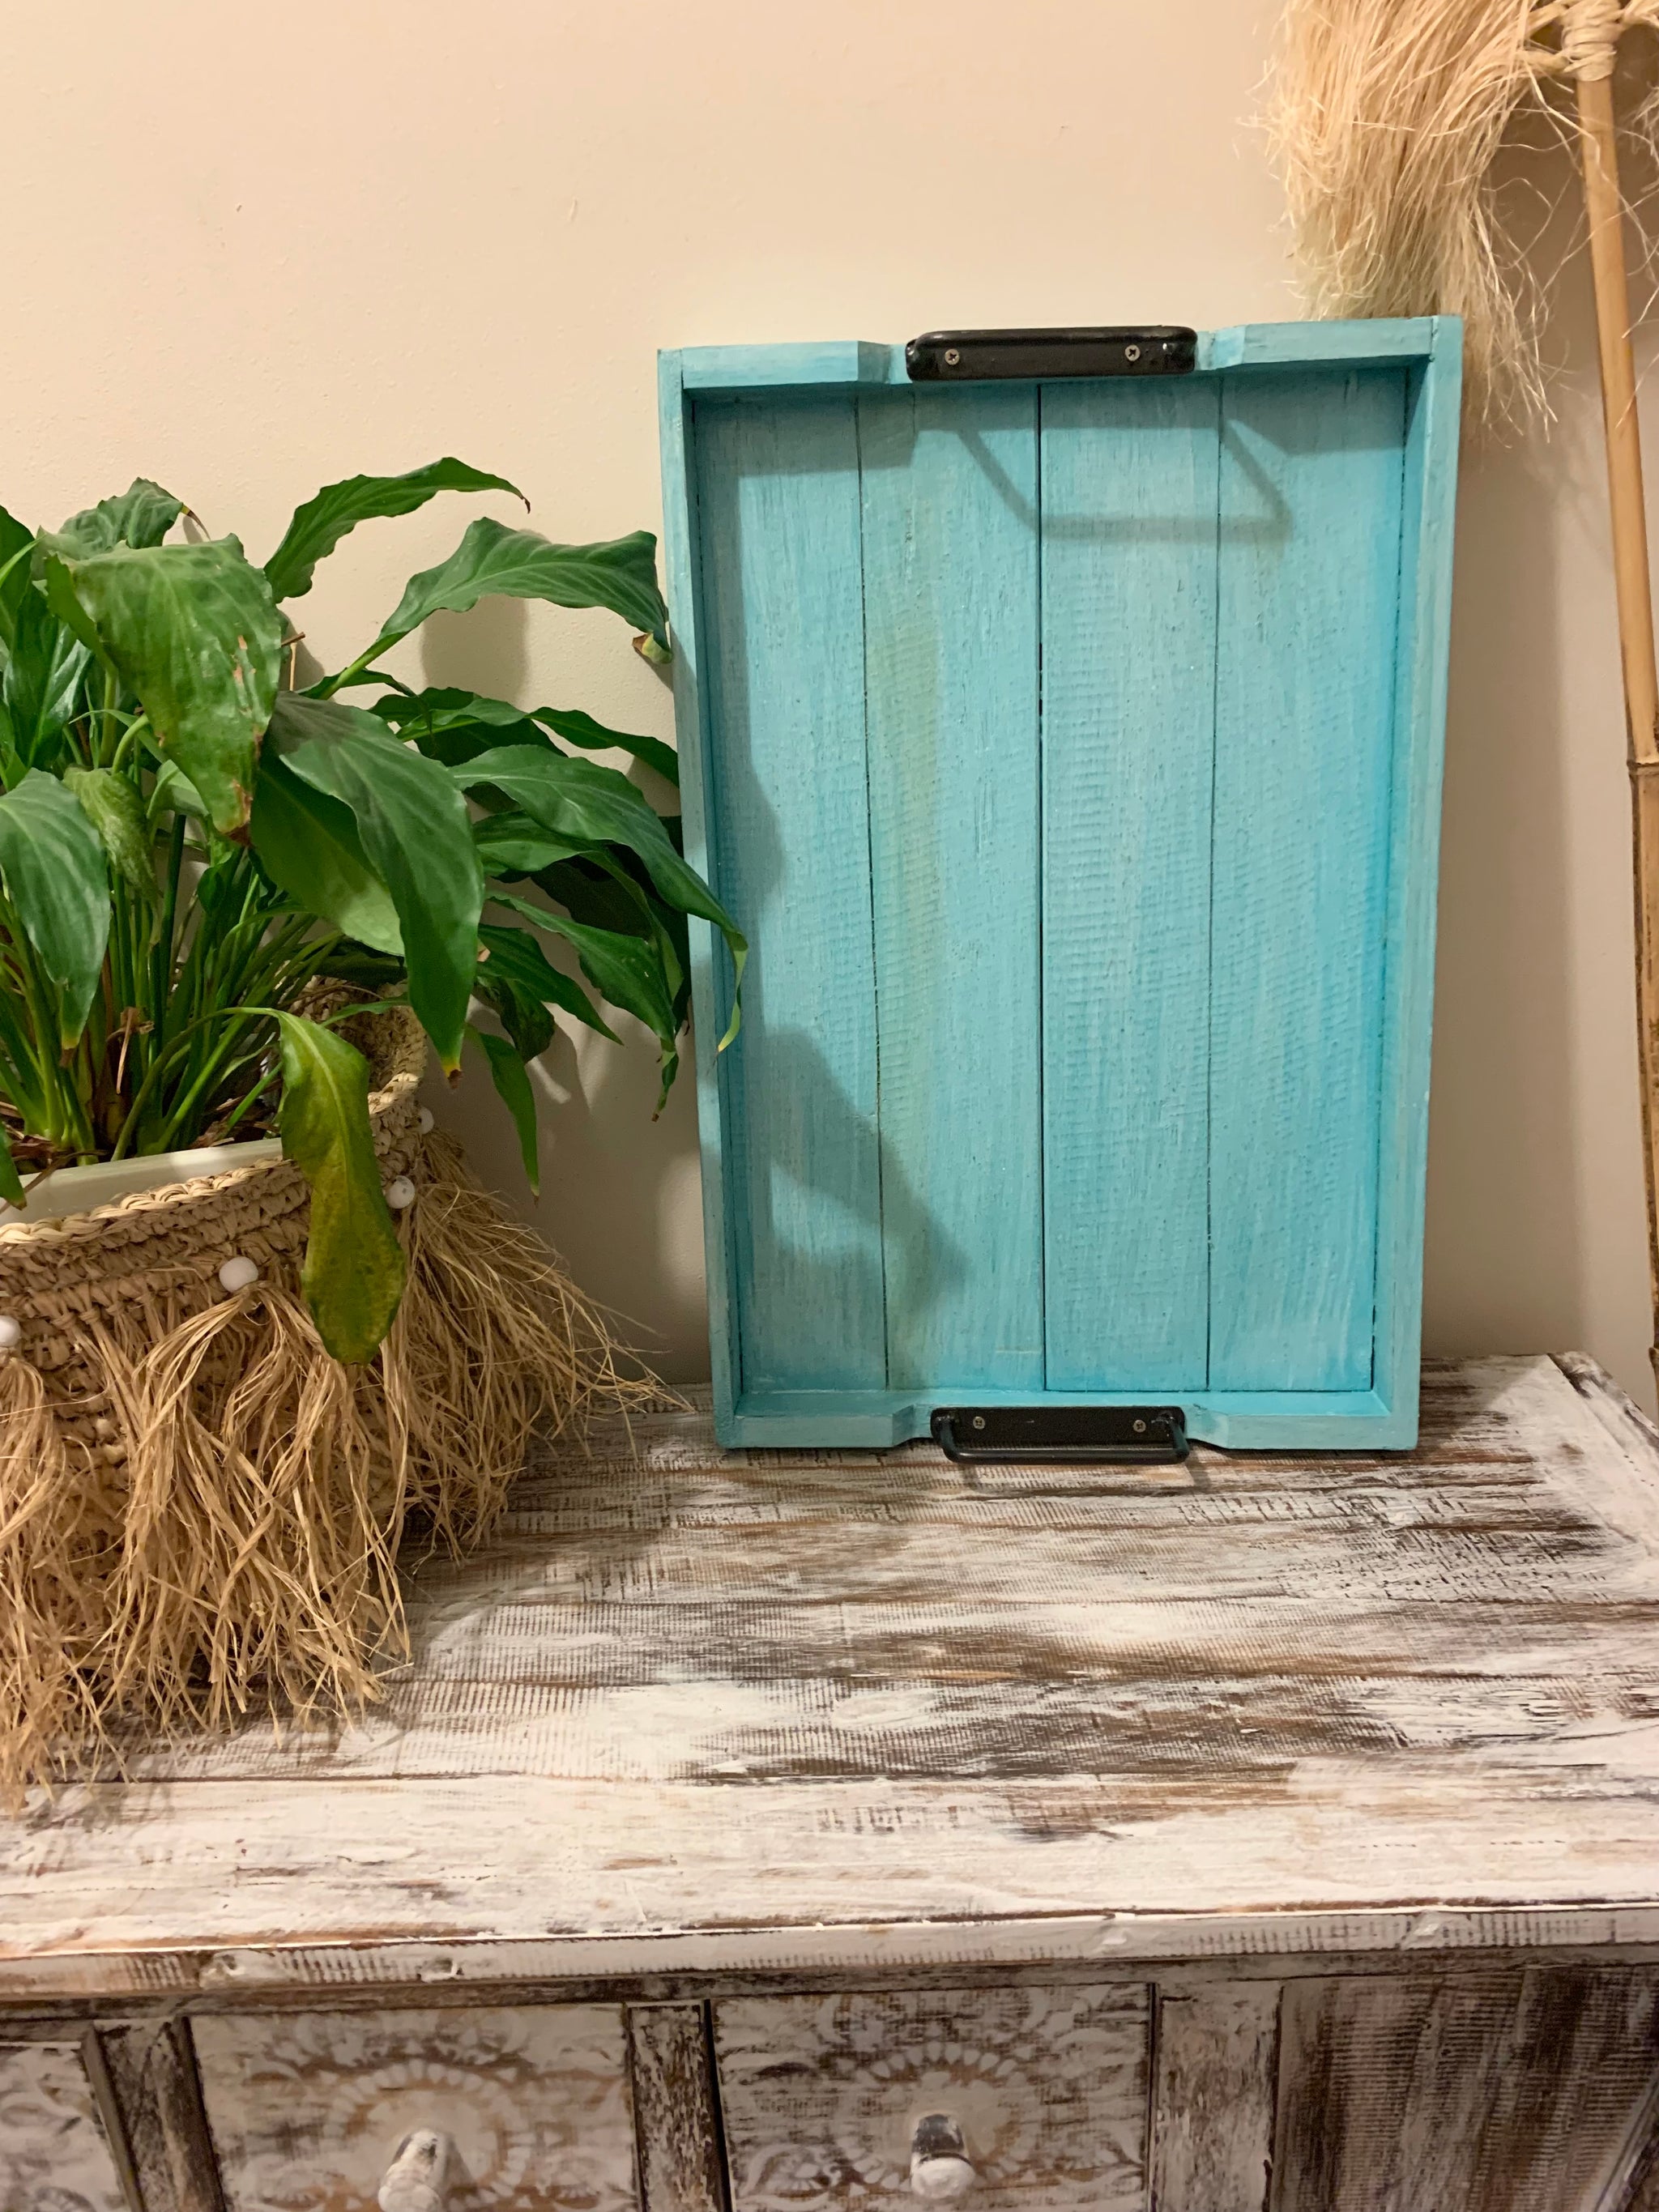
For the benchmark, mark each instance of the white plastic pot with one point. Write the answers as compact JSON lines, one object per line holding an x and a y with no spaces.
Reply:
{"x":78,"y":1190}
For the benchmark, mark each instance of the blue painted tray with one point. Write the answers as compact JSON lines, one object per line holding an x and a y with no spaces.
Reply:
{"x":1071,"y":755}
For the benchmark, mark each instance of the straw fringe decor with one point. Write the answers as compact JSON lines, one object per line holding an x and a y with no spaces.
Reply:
{"x":198,"y":1506}
{"x":1386,"y":116}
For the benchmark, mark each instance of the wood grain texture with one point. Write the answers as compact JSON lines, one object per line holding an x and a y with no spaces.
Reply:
{"x":821,"y":2096}
{"x":1428,"y":522}
{"x":950,"y":509}
{"x":676,"y":2109}
{"x":1214,"y":2099}
{"x":152,"y":2072}
{"x":1129,"y":507}
{"x":1311,"y":481}
{"x":765,"y":367}
{"x":733,"y":368}
{"x":695,"y":1710}
{"x":1231,"y":1081}
{"x":1632,"y":2183}
{"x":54,"y":2155}
{"x":1511,"y":2093}
{"x":1634,"y":2186}
{"x":1625,"y":1422}
{"x":307,"y":2112}
{"x":1279,"y":345}
{"x":710,"y":962}
{"x":783,"y":670}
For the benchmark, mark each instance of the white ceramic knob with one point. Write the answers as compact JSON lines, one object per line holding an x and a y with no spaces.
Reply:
{"x":400,"y":1193}
{"x":940,"y":2167}
{"x":421,"y":2174}
{"x":239,"y":1272}
{"x":11,"y":1332}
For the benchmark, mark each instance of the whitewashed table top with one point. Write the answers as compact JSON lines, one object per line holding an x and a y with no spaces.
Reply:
{"x":706,"y":1712}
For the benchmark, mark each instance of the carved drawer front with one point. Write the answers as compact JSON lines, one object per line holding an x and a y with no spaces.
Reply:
{"x":54,"y":2156}
{"x":530,"y":2107}
{"x":1033,"y":2099}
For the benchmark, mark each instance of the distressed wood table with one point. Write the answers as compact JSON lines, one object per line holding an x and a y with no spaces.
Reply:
{"x":787,"y":1830}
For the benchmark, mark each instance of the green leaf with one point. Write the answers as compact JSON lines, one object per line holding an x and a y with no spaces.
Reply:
{"x":193,"y":630}
{"x":322,"y":522}
{"x":56,"y":879}
{"x":611,"y":889}
{"x":519,"y":962}
{"x":11,"y":1184}
{"x":506,"y":1073}
{"x":578,"y":729}
{"x":328,"y":685}
{"x":142,"y":515}
{"x":173,"y":792}
{"x":355,"y":963}
{"x":54,"y":580}
{"x":42,"y":679}
{"x":352,"y":1275}
{"x":16,"y":550}
{"x":607,"y":897}
{"x":115,"y":811}
{"x":454,"y":726}
{"x":307,"y":844}
{"x":513,"y":844}
{"x":627,"y":970}
{"x":418,"y":837}
{"x":522,"y":1014}
{"x":491,"y":560}
{"x":447,"y":706}
{"x":585,"y":803}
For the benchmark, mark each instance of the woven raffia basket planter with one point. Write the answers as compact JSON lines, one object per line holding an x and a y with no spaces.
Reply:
{"x":198,"y":1506}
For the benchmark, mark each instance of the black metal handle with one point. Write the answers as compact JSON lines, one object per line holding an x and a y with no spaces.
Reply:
{"x":1122,"y":350}
{"x":1147,"y":1435}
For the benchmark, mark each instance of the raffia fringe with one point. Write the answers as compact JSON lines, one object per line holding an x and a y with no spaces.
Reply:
{"x":1386,"y":116}
{"x":199,"y":1509}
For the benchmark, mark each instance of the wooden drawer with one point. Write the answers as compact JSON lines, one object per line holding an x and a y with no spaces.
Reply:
{"x":307,"y":2110}
{"x":1492,"y":2091}
{"x":54,"y":2155}
{"x":822,"y":2096}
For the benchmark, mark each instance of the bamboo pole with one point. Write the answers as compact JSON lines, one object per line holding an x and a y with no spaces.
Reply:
{"x":1604,"y":207}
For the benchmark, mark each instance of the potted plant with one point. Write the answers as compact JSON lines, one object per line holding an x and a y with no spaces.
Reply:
{"x":234,"y":917}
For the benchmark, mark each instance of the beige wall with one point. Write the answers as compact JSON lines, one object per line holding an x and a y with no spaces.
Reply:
{"x":248,"y":252}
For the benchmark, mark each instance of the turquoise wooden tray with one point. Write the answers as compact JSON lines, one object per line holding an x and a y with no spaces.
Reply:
{"x":1071,"y":755}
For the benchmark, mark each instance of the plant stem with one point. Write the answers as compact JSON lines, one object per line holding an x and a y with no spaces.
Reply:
{"x":179,"y":1121}
{"x":353,"y":669}
{"x":161,"y":958}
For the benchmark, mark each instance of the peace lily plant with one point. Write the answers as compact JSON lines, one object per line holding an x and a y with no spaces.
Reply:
{"x":188,"y":851}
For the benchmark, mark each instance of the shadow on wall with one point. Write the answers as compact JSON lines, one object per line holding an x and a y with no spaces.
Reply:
{"x":1534,"y":1047}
